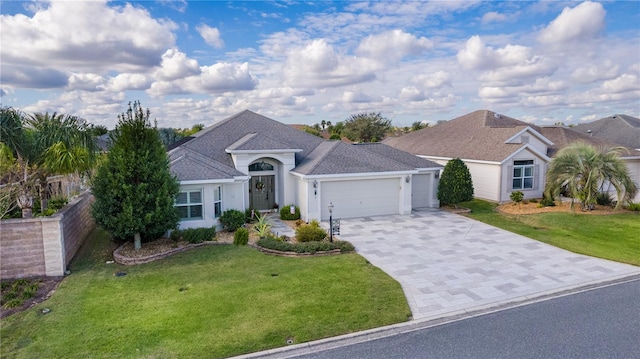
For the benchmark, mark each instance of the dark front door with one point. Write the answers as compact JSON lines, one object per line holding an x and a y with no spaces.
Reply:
{"x":262,"y":192}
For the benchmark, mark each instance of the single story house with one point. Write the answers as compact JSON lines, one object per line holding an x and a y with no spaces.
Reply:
{"x":503,"y":154}
{"x":251,"y":161}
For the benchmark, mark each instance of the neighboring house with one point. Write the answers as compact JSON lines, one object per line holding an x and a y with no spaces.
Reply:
{"x":620,"y":129}
{"x":251,"y":161}
{"x":503,"y":154}
{"x":563,"y":136}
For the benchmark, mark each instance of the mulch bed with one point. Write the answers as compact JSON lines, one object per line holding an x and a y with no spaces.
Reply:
{"x":47,"y":286}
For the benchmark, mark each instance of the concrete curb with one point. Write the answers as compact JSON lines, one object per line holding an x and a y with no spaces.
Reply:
{"x":423,"y":323}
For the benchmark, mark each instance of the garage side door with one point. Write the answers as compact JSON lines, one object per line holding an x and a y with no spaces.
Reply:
{"x":360,"y":198}
{"x":420,"y":191}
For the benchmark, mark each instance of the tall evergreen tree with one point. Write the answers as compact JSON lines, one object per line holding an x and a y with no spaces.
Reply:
{"x":455,"y":183}
{"x":133,"y":188}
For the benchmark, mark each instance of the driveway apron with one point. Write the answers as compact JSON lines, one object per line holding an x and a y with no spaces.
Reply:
{"x":447,"y":263}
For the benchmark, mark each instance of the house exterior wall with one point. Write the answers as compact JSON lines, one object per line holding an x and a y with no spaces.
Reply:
{"x":535,"y":142}
{"x":633,"y":165}
{"x":540,"y":170}
{"x":486,"y":178}
{"x":43,"y":246}
{"x":233,"y":197}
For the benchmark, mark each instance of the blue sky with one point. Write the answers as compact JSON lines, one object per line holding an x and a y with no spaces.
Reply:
{"x":303,"y":62}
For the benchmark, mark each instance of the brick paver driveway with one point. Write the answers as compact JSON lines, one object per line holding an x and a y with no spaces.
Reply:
{"x":450,"y":264}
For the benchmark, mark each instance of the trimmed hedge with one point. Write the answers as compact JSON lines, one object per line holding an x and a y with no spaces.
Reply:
{"x":194,"y":235}
{"x":285,"y":213}
{"x":306,"y":247}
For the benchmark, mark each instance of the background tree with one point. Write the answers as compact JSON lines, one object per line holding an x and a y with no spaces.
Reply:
{"x":168,"y":136}
{"x":134,"y":189}
{"x":418,"y":125}
{"x":455,"y":183}
{"x":39,"y":146}
{"x":583,"y":170}
{"x":366,"y":127}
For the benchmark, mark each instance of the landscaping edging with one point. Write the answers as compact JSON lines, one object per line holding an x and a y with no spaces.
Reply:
{"x":295,"y":254}
{"x":128,"y":261}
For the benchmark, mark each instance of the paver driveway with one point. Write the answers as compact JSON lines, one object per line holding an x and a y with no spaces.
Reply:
{"x":448,"y":263}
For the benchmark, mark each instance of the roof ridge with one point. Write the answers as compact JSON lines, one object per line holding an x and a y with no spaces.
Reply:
{"x":334,"y":144}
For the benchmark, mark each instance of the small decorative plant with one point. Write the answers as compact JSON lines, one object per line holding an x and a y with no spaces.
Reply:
{"x":262,"y":226}
{"x":517,"y":196}
{"x":241,"y":237}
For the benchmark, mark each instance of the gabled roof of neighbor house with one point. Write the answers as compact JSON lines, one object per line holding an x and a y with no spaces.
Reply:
{"x":563,"y":136}
{"x":249,"y":131}
{"x":620,"y":129}
{"x":480,"y":135}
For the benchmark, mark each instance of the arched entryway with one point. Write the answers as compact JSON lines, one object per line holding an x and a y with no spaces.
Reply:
{"x":262,"y":185}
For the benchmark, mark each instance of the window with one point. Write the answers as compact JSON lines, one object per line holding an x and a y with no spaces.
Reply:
{"x":523,"y":174}
{"x":260,"y":166}
{"x":217,"y":201}
{"x":189,"y":204}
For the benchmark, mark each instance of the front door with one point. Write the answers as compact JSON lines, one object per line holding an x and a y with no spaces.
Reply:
{"x":262,"y":192}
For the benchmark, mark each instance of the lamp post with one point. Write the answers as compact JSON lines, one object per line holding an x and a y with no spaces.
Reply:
{"x":330,"y":221}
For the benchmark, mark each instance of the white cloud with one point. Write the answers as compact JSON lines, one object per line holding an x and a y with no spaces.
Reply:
{"x":392,"y":46}
{"x":85,"y":82}
{"x":589,"y":73}
{"x":216,"y":78}
{"x":211,"y":35}
{"x":318,"y":65}
{"x":355,"y":97}
{"x":493,"y":16}
{"x":411,"y":93}
{"x":623,"y":83}
{"x":128,"y":81}
{"x":580,"y":23}
{"x":175,"y":65}
{"x":70,"y":35}
{"x":434,"y":80}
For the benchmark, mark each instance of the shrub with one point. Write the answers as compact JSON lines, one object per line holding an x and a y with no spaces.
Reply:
{"x":58,"y":202}
{"x":517,"y":196}
{"x":533,"y":200}
{"x":194,"y":235}
{"x":634,"y":206}
{"x":307,"y":247}
{"x":604,"y":199}
{"x":241,"y":237}
{"x":547,"y":202}
{"x":232,"y":219}
{"x":455,"y":183}
{"x":47,"y":212}
{"x":13,"y":303}
{"x":285,"y":213}
{"x":310,"y":232}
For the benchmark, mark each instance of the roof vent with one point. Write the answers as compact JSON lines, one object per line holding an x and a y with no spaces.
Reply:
{"x":496,"y":115}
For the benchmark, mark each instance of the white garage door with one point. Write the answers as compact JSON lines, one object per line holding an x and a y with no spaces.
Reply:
{"x":360,"y":198}
{"x":420,"y":191}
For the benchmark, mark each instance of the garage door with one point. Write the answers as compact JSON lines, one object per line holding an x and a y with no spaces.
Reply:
{"x":420,"y":191}
{"x":360,"y":198}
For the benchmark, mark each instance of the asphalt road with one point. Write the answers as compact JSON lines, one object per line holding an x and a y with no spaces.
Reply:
{"x":600,"y":323}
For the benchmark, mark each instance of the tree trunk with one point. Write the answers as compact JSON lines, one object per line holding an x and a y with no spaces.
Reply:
{"x":137,"y":243}
{"x":27,"y":213}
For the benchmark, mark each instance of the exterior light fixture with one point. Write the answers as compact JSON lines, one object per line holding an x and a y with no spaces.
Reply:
{"x":407,"y":179}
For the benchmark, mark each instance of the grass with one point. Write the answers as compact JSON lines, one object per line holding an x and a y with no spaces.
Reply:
{"x":613,"y":236}
{"x":214,"y":301}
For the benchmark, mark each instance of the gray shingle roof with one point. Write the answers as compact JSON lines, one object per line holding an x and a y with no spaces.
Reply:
{"x":205,"y":156}
{"x":621,"y":129}
{"x":479,"y":135}
{"x":563,"y":136}
{"x":189,"y":165}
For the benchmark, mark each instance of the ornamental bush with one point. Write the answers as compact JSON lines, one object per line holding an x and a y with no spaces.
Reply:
{"x":241,"y":237}
{"x":310,"y":232}
{"x":455,"y":183}
{"x":285,"y":213}
{"x":308,"y":247}
{"x":232,"y":219}
{"x":194,"y":235}
{"x":517,"y":196}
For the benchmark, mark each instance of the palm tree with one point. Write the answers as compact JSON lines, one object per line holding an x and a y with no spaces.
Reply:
{"x":36,"y":147}
{"x":583,"y":170}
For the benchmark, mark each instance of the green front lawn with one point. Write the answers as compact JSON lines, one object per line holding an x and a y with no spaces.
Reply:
{"x":213,"y":302}
{"x":613,"y":236}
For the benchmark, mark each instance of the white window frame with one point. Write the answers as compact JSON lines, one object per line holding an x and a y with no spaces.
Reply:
{"x":217,"y":201}
{"x":190,"y":204}
{"x":523,"y":167}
